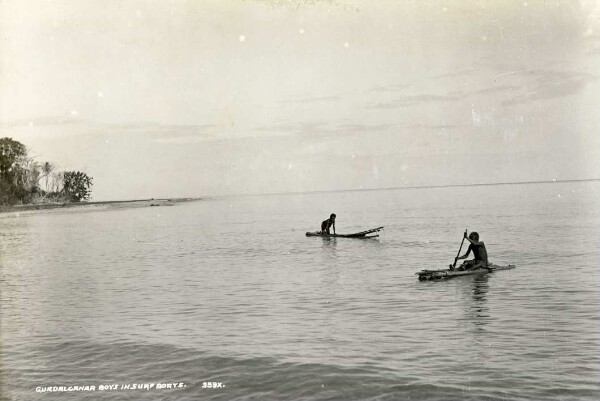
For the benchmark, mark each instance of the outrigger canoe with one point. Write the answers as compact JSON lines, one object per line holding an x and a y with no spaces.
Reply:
{"x":372,"y":233}
{"x":447,"y":273}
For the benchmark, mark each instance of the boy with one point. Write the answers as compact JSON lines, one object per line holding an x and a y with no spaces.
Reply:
{"x":479,"y":252}
{"x":327,"y":224}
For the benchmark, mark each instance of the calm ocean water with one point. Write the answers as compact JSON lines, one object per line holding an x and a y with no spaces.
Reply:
{"x":231,"y":291}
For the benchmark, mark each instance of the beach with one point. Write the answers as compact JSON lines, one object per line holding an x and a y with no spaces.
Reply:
{"x":112,"y":204}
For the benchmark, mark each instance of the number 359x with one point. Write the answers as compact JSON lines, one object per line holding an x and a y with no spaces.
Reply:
{"x":212,"y":385}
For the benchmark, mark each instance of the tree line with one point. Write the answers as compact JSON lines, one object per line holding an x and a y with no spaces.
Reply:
{"x":23,"y":180}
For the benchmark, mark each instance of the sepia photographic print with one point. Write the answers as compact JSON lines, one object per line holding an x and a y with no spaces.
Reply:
{"x":299,"y":200}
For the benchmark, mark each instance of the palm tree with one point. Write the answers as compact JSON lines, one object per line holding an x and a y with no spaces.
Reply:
{"x":57,"y":182}
{"x":47,"y":168}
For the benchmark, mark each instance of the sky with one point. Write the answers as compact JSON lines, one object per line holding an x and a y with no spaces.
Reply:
{"x":208,"y":98}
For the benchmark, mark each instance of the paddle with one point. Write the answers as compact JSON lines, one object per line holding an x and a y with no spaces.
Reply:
{"x":459,"y":249}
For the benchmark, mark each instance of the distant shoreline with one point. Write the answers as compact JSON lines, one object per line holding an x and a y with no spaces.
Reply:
{"x":114,"y":204}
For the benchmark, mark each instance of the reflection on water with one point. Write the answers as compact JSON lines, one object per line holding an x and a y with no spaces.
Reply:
{"x":329,"y":242}
{"x":473,"y":293}
{"x":478,"y":293}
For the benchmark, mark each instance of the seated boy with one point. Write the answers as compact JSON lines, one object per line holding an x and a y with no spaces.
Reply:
{"x":479,"y":252}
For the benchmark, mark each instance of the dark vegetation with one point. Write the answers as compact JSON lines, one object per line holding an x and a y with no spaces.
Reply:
{"x":25,"y":181}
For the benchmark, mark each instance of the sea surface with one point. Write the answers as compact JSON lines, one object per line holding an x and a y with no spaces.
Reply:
{"x":230,"y":291}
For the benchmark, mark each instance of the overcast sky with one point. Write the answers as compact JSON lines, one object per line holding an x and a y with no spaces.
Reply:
{"x":196,"y":98}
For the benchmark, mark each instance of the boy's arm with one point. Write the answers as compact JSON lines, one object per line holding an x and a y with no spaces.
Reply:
{"x":465,"y":255}
{"x":334,"y":226}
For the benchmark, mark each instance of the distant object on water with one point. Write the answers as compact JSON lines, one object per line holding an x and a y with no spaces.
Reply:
{"x":362,"y":234}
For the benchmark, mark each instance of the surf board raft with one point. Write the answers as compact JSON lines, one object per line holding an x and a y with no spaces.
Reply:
{"x":372,"y":233}
{"x":447,"y":273}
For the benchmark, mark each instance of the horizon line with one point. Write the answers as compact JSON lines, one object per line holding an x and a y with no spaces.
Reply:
{"x":554,"y":181}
